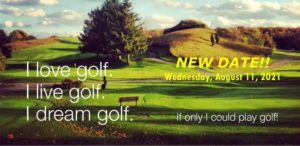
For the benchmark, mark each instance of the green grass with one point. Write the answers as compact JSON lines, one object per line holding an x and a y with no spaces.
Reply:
{"x":155,"y":117}
{"x":196,"y":43}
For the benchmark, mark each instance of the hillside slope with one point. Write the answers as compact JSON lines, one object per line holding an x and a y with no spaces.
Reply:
{"x":32,"y":43}
{"x":196,"y":43}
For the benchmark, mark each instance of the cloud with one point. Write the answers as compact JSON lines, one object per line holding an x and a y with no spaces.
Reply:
{"x":291,"y":9}
{"x":67,"y":17}
{"x":163,"y":21}
{"x":19,"y":2}
{"x":74,"y":33}
{"x":11,"y":11}
{"x":29,"y":2}
{"x":47,"y":22}
{"x":175,"y":4}
{"x":171,"y":3}
{"x":48,"y":2}
{"x":221,"y":22}
{"x":35,"y":12}
{"x":19,"y":24}
{"x":238,"y":9}
{"x":253,"y":9}
{"x":271,"y":6}
{"x":188,"y":6}
{"x":282,"y":23}
{"x":46,"y":34}
{"x":10,"y":24}
{"x":241,"y":5}
{"x":18,"y":12}
{"x":224,"y":22}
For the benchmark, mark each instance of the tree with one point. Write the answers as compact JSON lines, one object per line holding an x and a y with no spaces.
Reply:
{"x":4,"y":49}
{"x":268,"y":40}
{"x":3,"y":40}
{"x":113,"y":31}
{"x":2,"y":62}
{"x":3,"y":37}
{"x":17,"y":35}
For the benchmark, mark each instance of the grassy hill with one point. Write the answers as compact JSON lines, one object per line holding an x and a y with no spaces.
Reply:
{"x":196,"y":43}
{"x":32,"y":43}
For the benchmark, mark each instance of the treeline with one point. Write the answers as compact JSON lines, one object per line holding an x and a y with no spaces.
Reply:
{"x":279,"y":37}
{"x":5,"y":39}
{"x":285,"y":38}
{"x":5,"y":52}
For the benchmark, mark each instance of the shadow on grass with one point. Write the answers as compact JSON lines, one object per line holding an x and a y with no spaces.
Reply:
{"x":20,"y":66}
{"x":167,"y":139}
{"x":252,"y":49}
{"x":14,"y":79}
{"x":284,"y":56}
{"x":177,"y":90}
{"x":285,"y":89}
{"x":288,"y":70}
{"x":213,"y":137}
{"x":69,"y":42}
{"x":64,"y":49}
{"x":86,"y":60}
{"x":284,"y":81}
{"x":221,"y":90}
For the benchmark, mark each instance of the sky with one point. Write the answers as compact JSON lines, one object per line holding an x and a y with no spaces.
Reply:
{"x":65,"y":17}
